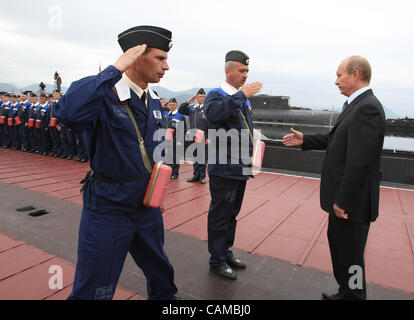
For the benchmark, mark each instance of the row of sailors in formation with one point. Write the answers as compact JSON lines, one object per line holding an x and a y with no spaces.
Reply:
{"x":27,"y":123}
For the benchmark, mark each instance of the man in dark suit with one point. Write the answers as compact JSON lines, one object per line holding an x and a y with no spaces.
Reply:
{"x":350,"y":175}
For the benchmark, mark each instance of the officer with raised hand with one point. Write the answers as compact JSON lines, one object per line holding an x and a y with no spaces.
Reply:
{"x":228,"y":111}
{"x":198,"y":121}
{"x":114,"y":220}
{"x":173,"y":120}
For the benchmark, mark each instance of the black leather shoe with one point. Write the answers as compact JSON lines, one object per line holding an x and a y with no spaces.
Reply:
{"x":236,"y":263}
{"x":83,"y":160}
{"x":174,"y":177}
{"x":203,"y":181}
{"x":192,"y":180}
{"x":341,"y":296}
{"x":69,"y":158}
{"x":224,"y":271}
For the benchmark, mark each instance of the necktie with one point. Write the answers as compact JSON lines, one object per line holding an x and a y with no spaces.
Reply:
{"x":345,"y":106}
{"x":144,"y":99}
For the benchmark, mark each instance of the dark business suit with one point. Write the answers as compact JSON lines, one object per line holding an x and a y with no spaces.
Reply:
{"x":350,"y":178}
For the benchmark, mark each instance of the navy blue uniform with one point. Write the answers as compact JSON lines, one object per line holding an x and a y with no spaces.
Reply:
{"x":23,"y":128}
{"x":43,"y":133}
{"x":226,"y":110}
{"x":174,"y":120}
{"x":34,"y":141}
{"x":1,"y":126}
{"x":6,"y":131}
{"x":114,"y":220}
{"x":54,"y":133}
{"x":81,"y":147}
{"x":15,"y":132}
{"x":199,"y":121}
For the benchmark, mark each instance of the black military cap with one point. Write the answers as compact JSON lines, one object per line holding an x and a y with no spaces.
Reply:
{"x":153,"y":37}
{"x":238,"y":56}
{"x":173,"y":100}
{"x":32,"y":94}
{"x":201,"y":91}
{"x":43,"y":95}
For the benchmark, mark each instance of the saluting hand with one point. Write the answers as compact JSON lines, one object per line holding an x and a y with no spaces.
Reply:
{"x":190,"y":101}
{"x":250,"y":89}
{"x":129,"y":57}
{"x":294,"y":139}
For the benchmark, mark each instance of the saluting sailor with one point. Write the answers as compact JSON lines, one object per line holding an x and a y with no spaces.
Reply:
{"x":228,"y":109}
{"x":198,"y":121}
{"x":114,"y":220}
{"x":175,"y":121}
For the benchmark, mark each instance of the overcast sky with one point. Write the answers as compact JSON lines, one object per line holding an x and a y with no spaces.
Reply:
{"x":295,"y":46}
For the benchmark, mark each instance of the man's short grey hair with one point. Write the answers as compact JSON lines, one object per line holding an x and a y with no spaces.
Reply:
{"x":228,"y":65}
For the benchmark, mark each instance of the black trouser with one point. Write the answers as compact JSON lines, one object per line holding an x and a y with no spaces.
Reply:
{"x":56,"y":144}
{"x":347,"y":242}
{"x":226,"y":201}
{"x":34,"y":141}
{"x":171,"y":156}
{"x":68,"y":141}
{"x":16,"y":139}
{"x":200,"y":168}
{"x":80,"y":146}
{"x":6,"y":135}
{"x":24,"y":133}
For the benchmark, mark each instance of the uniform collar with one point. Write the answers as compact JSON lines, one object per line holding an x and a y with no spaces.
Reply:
{"x":174,"y":112}
{"x":123,"y":89}
{"x":138,"y":91}
{"x":43,"y":105}
{"x":229,"y":89}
